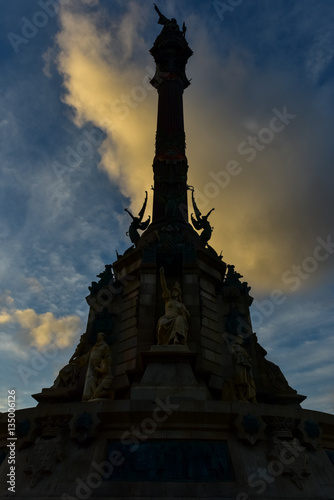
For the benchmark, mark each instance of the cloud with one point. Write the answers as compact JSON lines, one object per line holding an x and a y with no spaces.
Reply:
{"x":298,"y":337}
{"x":105,"y":87}
{"x":269,"y":215}
{"x":40,"y":330}
{"x":263,"y":220}
{"x":320,"y":54}
{"x":11,"y":348}
{"x":4,"y":317}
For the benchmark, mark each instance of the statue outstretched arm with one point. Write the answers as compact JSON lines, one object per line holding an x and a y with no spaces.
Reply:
{"x":165,"y":291}
{"x":162,"y":19}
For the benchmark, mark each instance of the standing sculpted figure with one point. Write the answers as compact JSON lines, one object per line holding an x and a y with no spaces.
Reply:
{"x":244,"y":384}
{"x":172,"y":328}
{"x":98,"y":377}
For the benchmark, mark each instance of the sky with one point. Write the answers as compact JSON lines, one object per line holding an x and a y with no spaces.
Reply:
{"x":77,"y":132}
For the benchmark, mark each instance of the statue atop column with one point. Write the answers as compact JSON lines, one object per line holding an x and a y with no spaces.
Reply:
{"x":172,"y":328}
{"x":170,"y":24}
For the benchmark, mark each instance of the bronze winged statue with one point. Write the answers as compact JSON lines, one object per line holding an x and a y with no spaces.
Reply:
{"x":137,"y":223}
{"x":201,"y":221}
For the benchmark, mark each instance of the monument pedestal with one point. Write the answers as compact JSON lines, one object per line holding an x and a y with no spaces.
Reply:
{"x":169,"y":373}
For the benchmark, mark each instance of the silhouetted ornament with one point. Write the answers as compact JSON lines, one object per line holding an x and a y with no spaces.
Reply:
{"x":201,"y":221}
{"x":137,"y":223}
{"x":106,"y":278}
{"x":232,"y":279}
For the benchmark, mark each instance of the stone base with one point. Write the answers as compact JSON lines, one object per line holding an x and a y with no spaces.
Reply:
{"x":130,"y":449}
{"x":55,"y":395}
{"x":169,"y":373}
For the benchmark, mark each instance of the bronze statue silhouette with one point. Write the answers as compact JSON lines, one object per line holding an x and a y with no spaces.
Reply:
{"x":169,"y":23}
{"x":137,"y":223}
{"x":201,"y":221}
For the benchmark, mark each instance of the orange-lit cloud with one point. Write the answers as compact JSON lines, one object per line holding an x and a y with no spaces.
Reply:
{"x":263,"y":220}
{"x":105,"y":87}
{"x":40,"y":330}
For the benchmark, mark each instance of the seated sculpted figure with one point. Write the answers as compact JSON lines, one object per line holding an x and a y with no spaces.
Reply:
{"x":172,"y":328}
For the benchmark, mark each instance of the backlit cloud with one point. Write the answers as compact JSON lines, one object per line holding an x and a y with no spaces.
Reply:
{"x":40,"y":330}
{"x":104,"y":86}
{"x":263,"y":221}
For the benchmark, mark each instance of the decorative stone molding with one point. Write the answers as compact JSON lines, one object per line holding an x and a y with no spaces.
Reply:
{"x":290,"y":457}
{"x":250,"y":427}
{"x":84,"y":427}
{"x":281,"y":427}
{"x":47,"y":449}
{"x":310,"y":433}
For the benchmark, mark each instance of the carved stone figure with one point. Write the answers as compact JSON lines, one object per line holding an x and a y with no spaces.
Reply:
{"x":172,"y":328}
{"x":295,"y":463}
{"x":243,"y":381}
{"x":103,"y":379}
{"x":99,"y":368}
{"x":68,"y":376}
{"x":201,"y":221}
{"x":271,"y":375}
{"x":137,"y":223}
{"x":106,"y":277}
{"x":232,"y":279}
{"x":79,"y":349}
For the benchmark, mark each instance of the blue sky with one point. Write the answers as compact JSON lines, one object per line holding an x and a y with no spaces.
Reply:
{"x":77,"y":133}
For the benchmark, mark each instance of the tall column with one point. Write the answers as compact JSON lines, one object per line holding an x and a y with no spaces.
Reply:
{"x":171,"y":53}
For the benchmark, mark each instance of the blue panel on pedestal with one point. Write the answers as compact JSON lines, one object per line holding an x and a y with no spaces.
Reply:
{"x":173,"y":461}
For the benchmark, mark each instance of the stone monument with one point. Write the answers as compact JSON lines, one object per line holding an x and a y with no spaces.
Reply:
{"x":168,"y":393}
